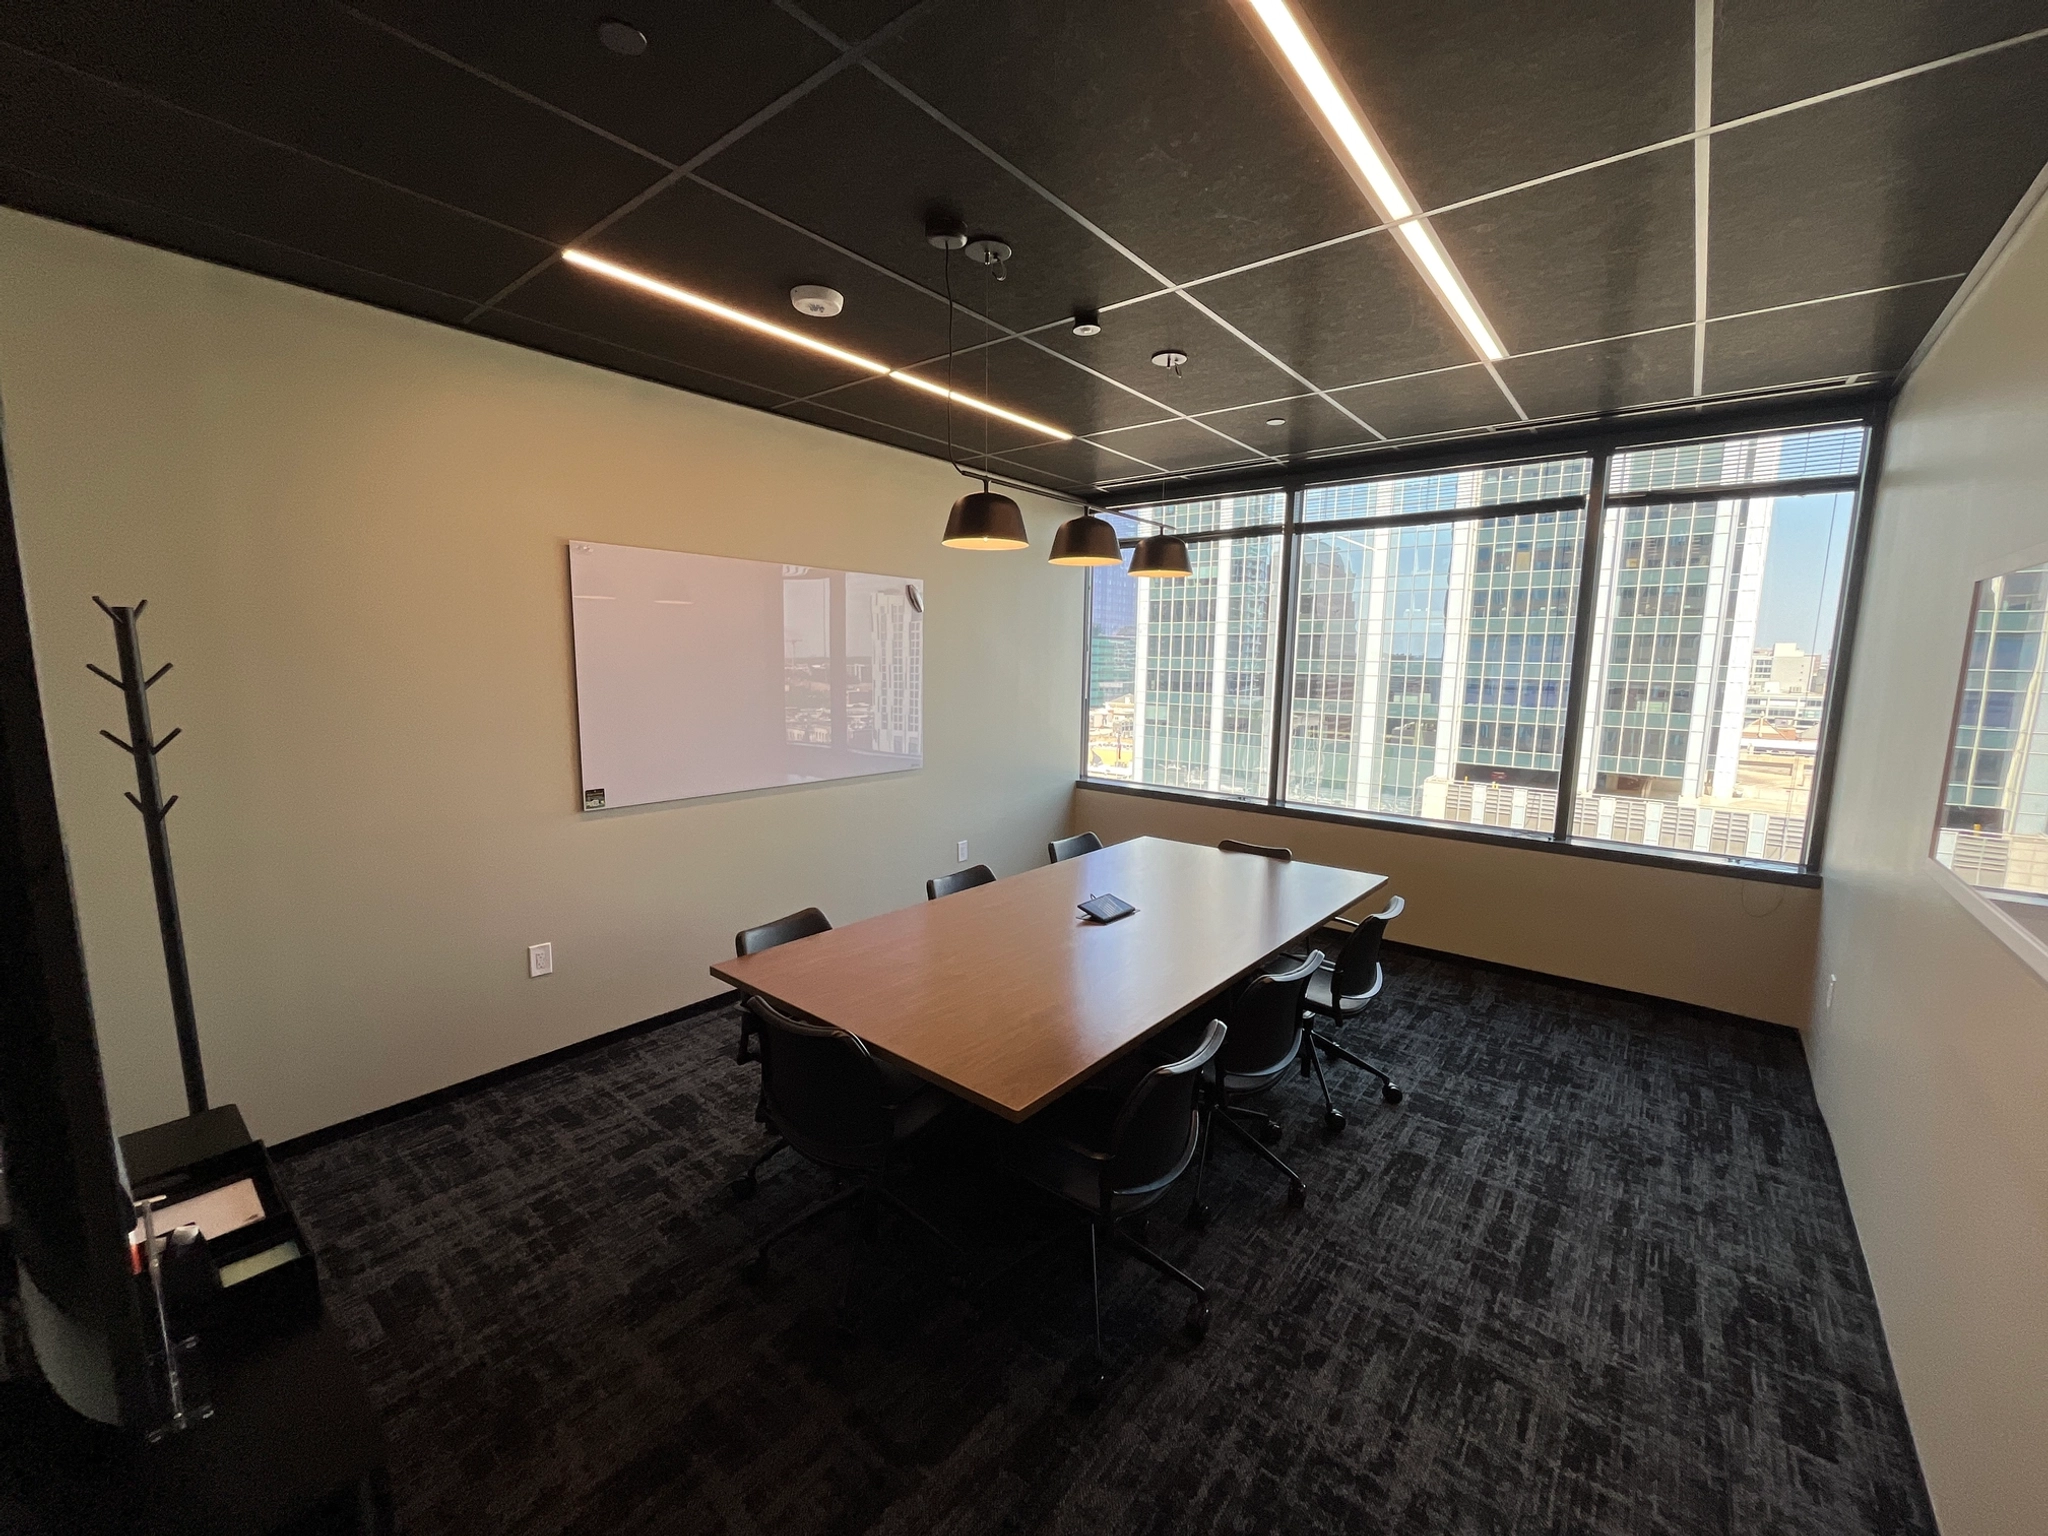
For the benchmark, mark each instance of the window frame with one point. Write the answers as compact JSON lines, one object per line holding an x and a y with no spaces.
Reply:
{"x":1599,"y":445}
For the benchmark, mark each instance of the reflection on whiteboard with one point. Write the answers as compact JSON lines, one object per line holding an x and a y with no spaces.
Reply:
{"x":698,"y":675}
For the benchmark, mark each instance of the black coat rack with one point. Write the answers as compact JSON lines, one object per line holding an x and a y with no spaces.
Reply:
{"x":148,"y":798}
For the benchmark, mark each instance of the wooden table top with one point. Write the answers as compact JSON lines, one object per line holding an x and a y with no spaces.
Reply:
{"x":1007,"y":996}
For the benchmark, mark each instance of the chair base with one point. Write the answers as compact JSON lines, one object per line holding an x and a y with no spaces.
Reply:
{"x":1195,"y":1325}
{"x":1333,"y":1118}
{"x":870,"y":1195}
{"x":749,"y":1183}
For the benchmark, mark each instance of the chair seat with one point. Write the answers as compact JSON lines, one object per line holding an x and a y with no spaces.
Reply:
{"x":1318,"y":996}
{"x":1050,"y":1150}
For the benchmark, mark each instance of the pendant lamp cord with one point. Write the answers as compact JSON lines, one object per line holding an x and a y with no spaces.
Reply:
{"x":987,"y":273}
{"x":948,"y":261}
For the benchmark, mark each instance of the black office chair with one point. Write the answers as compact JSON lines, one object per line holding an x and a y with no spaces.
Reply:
{"x":751,"y":941}
{"x":1114,"y":1157}
{"x":1266,"y":1037}
{"x":1064,"y":848}
{"x":1340,"y":992}
{"x":839,"y":1107}
{"x":965,"y":880}
{"x":1232,"y":845}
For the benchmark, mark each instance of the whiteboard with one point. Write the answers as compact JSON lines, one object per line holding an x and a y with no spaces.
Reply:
{"x":698,"y":675}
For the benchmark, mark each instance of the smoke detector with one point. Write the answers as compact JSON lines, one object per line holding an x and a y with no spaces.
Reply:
{"x":817,"y":300}
{"x":622,"y":37}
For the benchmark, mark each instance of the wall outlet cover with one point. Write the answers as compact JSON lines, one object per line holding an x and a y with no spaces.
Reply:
{"x":963,"y":850}
{"x":540,"y":959}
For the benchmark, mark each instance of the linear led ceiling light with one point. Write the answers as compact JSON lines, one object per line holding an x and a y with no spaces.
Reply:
{"x":726,"y":312}
{"x":1288,"y":37}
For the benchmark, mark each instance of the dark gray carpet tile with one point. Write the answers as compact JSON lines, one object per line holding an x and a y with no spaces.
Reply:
{"x":1595,"y":1275}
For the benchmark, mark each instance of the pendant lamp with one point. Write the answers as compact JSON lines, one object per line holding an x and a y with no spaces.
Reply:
{"x":986,"y":519}
{"x":1164,"y":555}
{"x":1085,"y":540}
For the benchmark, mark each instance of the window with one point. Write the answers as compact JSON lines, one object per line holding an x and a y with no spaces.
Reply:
{"x":1992,"y":829}
{"x":1180,"y":689}
{"x":1415,"y":640}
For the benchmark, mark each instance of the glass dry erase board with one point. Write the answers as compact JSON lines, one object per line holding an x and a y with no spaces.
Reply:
{"x":701,"y":675}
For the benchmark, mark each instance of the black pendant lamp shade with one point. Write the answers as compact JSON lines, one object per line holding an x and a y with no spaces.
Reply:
{"x":1164,"y":554}
{"x":1085,"y":540}
{"x":985,"y":519}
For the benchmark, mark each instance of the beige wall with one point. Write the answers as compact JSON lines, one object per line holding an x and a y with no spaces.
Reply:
{"x":1932,"y":1065}
{"x":1745,"y":946}
{"x":350,"y":529}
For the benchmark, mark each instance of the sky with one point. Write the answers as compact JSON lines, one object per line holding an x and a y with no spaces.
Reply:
{"x":1803,"y":571}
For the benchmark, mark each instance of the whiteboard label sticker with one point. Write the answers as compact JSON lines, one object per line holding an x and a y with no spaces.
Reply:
{"x":593,"y":799}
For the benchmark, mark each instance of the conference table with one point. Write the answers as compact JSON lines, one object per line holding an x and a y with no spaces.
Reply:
{"x":1007,"y":996}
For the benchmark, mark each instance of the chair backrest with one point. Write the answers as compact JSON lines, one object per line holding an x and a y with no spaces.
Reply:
{"x":823,"y":1090}
{"x":1265,"y":1020}
{"x":1358,"y":962}
{"x":965,"y":880}
{"x":1153,"y":1138}
{"x":798,"y":925}
{"x":1232,"y":845}
{"x":1064,"y":848}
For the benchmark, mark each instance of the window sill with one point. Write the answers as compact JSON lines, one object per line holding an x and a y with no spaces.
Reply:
{"x":1727,"y":869}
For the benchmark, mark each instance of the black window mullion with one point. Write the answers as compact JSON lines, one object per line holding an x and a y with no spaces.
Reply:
{"x":1283,"y":659}
{"x":1578,"y":678}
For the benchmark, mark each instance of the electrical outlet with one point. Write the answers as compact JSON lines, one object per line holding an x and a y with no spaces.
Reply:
{"x":963,"y":850}
{"x":1831,"y":990}
{"x":540,"y":959}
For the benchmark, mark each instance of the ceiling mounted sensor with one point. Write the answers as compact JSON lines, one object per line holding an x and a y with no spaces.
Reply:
{"x":943,"y":232}
{"x":1163,"y":556}
{"x":985,"y":519}
{"x":622,"y":37}
{"x":1172,"y":359}
{"x":816,"y":300}
{"x":1087,"y":323}
{"x":1085,"y":540}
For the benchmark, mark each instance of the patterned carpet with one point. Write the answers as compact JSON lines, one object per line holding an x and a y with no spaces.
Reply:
{"x":1596,"y":1275}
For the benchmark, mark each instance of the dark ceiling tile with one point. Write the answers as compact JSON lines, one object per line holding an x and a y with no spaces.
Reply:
{"x":1890,"y":185}
{"x":1307,"y":426}
{"x":1028,"y":377}
{"x":860,"y":165}
{"x":1450,"y":401}
{"x":605,"y":311}
{"x":708,"y":66}
{"x":912,"y":410}
{"x":1599,"y":254}
{"x":825,"y":413}
{"x":1079,"y":462}
{"x":1345,"y":313}
{"x":1470,"y":98}
{"x":1221,"y":370}
{"x":695,"y":238}
{"x":855,"y":21}
{"x":1178,"y":445}
{"x":1159,"y":120}
{"x":542,"y":337}
{"x":1606,"y":376}
{"x":1871,"y":333}
{"x":58,"y":124}
{"x":319,"y":80}
{"x":153,"y":225}
{"x":1767,"y":52}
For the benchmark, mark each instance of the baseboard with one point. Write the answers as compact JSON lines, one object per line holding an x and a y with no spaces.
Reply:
{"x":1622,"y":994}
{"x":327,"y":1134}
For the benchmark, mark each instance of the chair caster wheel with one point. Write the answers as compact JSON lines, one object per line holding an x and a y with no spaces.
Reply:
{"x":1196,"y":1325}
{"x":1391,"y":1094}
{"x":746,"y":1186}
{"x":1270,"y":1132}
{"x":1297,"y":1194}
{"x":755,"y":1270}
{"x":1333,"y":1122}
{"x":1198,"y":1217}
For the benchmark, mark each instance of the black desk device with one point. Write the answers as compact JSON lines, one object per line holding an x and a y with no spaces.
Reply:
{"x":1107,"y":909}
